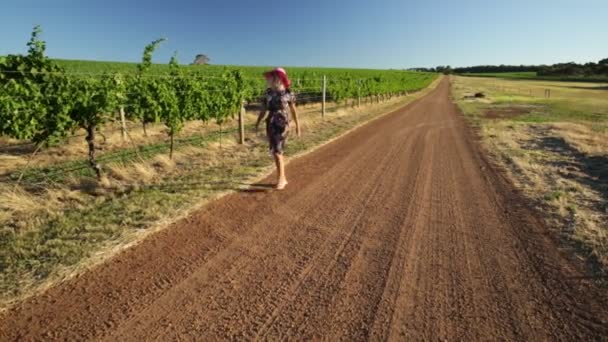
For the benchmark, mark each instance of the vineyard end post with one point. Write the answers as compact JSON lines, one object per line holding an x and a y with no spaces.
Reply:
{"x":90,"y":138}
{"x":324,"y":95}
{"x":359,"y":95}
{"x":123,"y":124}
{"x":242,"y":124}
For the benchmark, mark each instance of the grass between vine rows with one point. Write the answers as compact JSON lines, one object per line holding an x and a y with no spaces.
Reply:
{"x":75,"y":222}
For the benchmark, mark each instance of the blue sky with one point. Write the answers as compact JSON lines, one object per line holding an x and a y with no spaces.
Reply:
{"x":342,"y":33}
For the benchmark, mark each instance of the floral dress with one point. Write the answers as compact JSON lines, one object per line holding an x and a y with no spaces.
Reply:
{"x":277,"y":122}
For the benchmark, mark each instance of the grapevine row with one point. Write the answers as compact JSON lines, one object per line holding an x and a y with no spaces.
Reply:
{"x":41,"y":102}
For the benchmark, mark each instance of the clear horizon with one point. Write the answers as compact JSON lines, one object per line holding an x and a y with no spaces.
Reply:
{"x":335,"y":33}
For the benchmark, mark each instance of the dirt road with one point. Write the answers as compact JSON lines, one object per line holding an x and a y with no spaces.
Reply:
{"x":400,"y":230}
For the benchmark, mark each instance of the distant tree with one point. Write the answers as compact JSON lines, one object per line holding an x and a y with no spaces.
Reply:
{"x":422,"y":69}
{"x":201,"y":59}
{"x":444,"y":69}
{"x":602,"y":67}
{"x":496,"y":68}
{"x":569,"y":69}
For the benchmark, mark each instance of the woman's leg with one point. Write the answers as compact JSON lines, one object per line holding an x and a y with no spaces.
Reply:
{"x":277,"y":142}
{"x":282,"y":180}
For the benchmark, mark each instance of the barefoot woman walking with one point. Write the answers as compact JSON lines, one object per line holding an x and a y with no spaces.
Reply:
{"x":276,"y":102}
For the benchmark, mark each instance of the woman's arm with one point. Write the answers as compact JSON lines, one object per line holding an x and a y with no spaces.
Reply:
{"x":260,"y":118}
{"x":294,"y":112}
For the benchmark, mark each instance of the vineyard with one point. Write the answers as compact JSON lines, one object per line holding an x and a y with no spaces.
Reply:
{"x":94,"y":153}
{"x":44,"y":101}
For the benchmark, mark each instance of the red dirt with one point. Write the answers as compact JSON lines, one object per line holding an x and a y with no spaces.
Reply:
{"x":400,"y":230}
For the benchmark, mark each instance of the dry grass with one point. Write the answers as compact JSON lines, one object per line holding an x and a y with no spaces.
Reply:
{"x":17,"y":200}
{"x":559,"y":160}
{"x":582,"y":137}
{"x":21,"y":209}
{"x":163,"y":162}
{"x":556,"y":181}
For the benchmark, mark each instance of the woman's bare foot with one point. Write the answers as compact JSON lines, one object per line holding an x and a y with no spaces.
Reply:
{"x":281,"y":184}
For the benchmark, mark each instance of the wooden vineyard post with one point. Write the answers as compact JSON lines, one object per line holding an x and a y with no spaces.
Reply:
{"x":123,"y":124}
{"x":359,"y":95}
{"x":242,"y":125}
{"x":324,"y":94}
